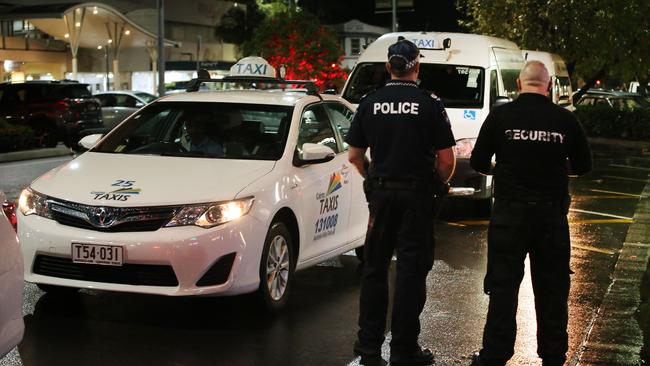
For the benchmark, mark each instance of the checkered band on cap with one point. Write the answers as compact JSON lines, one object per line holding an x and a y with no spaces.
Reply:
{"x":408,"y":65}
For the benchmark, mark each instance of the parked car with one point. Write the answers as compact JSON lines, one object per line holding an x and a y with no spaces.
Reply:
{"x":201,"y":193}
{"x":11,"y":281}
{"x":117,"y":105}
{"x":614,"y":99}
{"x":55,"y":110}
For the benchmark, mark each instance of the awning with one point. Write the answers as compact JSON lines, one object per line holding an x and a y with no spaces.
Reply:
{"x":98,"y":23}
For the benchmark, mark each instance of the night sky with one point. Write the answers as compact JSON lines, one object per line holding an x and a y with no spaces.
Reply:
{"x":427,"y":15}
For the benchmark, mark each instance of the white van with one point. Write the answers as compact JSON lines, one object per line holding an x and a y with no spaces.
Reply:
{"x":470,"y":73}
{"x":561,"y":93}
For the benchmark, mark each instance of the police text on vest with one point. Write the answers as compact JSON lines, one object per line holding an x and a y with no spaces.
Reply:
{"x":396,"y":108}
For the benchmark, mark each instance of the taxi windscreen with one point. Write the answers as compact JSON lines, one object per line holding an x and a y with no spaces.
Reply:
{"x":458,"y":86}
{"x":210,"y":130}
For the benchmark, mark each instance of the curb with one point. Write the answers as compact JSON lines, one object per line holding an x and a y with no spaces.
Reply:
{"x":617,"y":337}
{"x":60,"y":150}
{"x":629,"y":144}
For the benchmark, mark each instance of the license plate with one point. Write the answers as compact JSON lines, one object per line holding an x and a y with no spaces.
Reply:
{"x":107,"y":255}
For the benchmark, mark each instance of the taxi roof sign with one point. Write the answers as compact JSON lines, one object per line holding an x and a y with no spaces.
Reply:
{"x":253,"y":66}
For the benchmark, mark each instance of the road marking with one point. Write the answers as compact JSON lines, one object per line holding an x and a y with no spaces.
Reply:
{"x":579,"y":222}
{"x":455,"y":224}
{"x":602,"y":197}
{"x":602,"y":221}
{"x":593,"y":249}
{"x":600,"y":214}
{"x":629,"y":167}
{"x":618,"y":193}
{"x":626,"y":178}
{"x":641,"y":245}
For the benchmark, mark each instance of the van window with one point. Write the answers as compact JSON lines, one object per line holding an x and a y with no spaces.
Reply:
{"x":563,"y":85}
{"x":494,"y":86}
{"x":458,"y":86}
{"x":509,"y":77}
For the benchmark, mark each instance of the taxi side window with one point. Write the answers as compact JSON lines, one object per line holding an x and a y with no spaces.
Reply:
{"x":341,"y":117}
{"x":315,"y":128}
{"x":586,"y":101}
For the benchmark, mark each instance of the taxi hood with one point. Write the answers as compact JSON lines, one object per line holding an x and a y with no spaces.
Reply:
{"x":144,"y":180}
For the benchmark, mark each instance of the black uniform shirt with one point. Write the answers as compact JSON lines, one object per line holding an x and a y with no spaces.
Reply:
{"x":532,"y":139}
{"x":403,"y":126}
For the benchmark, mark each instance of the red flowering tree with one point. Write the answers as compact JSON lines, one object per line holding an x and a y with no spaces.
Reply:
{"x":297,"y":40}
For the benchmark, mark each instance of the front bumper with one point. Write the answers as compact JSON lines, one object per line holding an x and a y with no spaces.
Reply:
{"x":188,"y":254}
{"x":467,"y":182}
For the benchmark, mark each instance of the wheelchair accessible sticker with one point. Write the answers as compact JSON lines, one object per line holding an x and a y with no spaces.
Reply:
{"x":469,"y":114}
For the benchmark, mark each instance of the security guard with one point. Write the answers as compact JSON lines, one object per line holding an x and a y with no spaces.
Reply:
{"x":409,"y":135}
{"x":532,"y":139}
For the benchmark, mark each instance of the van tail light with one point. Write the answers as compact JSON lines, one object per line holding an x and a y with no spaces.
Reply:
{"x":10,"y":210}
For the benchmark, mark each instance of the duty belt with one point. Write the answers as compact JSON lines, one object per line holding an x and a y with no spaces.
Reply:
{"x":400,"y":184}
{"x":534,"y":203}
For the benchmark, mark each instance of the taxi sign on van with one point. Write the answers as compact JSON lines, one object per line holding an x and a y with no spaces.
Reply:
{"x":252,"y":66}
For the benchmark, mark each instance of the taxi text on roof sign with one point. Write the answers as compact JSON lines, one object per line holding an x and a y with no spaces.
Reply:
{"x":424,"y":42}
{"x":252,"y":66}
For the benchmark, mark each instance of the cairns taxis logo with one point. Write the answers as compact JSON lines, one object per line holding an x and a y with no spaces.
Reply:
{"x":121,"y":194}
{"x":335,"y":183}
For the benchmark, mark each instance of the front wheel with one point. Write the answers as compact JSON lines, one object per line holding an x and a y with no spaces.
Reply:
{"x":57,"y":290}
{"x":276,"y":268}
{"x":359,"y":252}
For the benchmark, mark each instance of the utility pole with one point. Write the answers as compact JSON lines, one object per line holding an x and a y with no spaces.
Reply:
{"x":394,"y":15}
{"x":198,"y":53}
{"x":161,"y":48}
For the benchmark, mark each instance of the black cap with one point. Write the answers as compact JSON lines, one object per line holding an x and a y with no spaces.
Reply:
{"x":403,"y":54}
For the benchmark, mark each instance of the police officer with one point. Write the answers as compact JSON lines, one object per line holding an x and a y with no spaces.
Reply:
{"x":537,"y":145}
{"x":409,"y":135}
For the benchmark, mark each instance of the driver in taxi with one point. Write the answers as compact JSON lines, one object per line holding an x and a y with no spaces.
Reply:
{"x":197,"y":126}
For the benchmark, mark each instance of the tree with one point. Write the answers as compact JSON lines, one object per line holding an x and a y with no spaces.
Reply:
{"x":239,"y":22}
{"x":597,"y":38}
{"x":297,"y":40}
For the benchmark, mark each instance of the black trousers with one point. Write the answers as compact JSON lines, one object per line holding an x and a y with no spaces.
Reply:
{"x":540,"y":230}
{"x":401,"y":222}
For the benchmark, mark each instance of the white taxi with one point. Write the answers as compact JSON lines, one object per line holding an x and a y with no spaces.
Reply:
{"x":202,"y":193}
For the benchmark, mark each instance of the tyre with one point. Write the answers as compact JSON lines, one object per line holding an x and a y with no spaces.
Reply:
{"x":44,"y":134}
{"x":359,"y":252}
{"x":276,"y":268}
{"x":57,"y":290}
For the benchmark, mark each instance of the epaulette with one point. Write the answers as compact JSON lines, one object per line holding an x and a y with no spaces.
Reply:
{"x":367,"y":95}
{"x":431,"y":94}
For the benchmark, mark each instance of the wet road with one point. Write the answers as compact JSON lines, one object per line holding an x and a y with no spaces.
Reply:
{"x":318,"y":327}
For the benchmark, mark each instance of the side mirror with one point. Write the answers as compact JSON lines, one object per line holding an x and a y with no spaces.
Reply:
{"x":139,"y":104}
{"x":500,"y":101}
{"x":313,"y":154}
{"x":87,"y":142}
{"x":564,"y":101}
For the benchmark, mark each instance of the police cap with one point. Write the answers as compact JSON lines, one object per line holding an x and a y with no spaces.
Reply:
{"x":403,"y":54}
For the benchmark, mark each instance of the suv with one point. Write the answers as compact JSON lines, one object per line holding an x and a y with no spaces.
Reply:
{"x":614,"y":99}
{"x":55,"y":110}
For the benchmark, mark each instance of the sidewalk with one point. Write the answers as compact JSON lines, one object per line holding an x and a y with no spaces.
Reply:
{"x":60,"y":150}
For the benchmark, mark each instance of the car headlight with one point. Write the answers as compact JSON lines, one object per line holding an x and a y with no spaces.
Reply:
{"x":463,"y":148}
{"x":207,"y":215}
{"x":33,"y":203}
